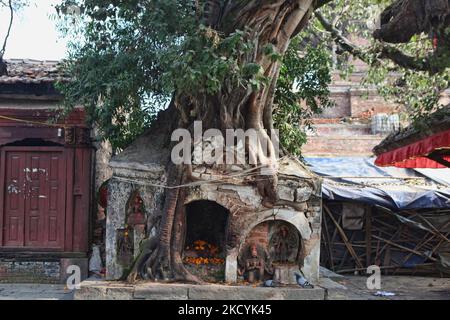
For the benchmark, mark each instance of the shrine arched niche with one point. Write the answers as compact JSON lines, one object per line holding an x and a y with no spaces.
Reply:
{"x":272,"y":250}
{"x":205,"y":240}
{"x":129,"y":238}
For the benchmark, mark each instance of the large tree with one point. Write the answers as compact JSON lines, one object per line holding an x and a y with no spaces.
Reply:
{"x":218,"y":61}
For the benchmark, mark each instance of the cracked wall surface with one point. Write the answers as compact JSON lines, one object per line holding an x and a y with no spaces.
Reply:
{"x":300,"y":205}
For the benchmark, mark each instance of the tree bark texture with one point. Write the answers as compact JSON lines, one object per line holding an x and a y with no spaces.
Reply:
{"x":268,"y":22}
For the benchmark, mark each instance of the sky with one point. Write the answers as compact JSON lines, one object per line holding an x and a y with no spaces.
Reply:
{"x":34,"y":34}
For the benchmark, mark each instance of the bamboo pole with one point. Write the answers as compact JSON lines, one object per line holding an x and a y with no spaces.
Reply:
{"x":368,"y":236}
{"x":383,"y":268}
{"x":405,"y":248}
{"x":344,"y":238}
{"x":436,"y":231}
{"x":327,"y":238}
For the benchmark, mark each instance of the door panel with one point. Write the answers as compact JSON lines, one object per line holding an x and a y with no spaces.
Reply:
{"x":35,"y":217}
{"x":55,"y":201}
{"x":14,"y":213}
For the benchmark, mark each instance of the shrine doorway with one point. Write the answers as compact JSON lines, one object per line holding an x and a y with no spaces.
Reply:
{"x":205,"y":240}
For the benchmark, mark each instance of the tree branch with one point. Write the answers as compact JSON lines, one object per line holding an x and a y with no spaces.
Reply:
{"x":405,"y":61}
{"x":320,"y":3}
{"x":11,"y":20}
{"x":382,"y":52}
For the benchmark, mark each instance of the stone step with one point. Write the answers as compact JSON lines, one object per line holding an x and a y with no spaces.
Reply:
{"x":332,"y":146}
{"x":341,"y":130}
{"x":109,"y":290}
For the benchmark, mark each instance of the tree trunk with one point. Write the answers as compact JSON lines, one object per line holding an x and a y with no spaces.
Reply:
{"x":270,"y":22}
{"x":406,"y":18}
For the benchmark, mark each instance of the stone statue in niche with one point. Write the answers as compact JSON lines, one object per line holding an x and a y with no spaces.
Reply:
{"x":135,"y":226}
{"x":125,"y":246}
{"x":284,"y":244}
{"x":255,"y":263}
{"x":136,"y":214}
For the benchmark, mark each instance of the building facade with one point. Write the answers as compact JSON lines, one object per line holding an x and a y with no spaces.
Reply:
{"x":46,"y":176}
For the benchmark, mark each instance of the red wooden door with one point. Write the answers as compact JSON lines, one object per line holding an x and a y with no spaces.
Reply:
{"x":34,"y":198}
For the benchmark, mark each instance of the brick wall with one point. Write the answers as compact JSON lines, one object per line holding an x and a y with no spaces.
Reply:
{"x":341,"y":145}
{"x":354,"y":103}
{"x":259,"y":235}
{"x":363,"y":101}
{"x":50,"y":270}
{"x":345,"y":129}
{"x":342,"y":107}
{"x":30,"y":271}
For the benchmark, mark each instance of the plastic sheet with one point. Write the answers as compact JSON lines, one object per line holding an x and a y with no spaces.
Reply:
{"x":358,"y":179}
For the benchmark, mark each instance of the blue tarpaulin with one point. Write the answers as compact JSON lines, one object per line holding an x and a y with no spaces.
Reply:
{"x":358,"y":179}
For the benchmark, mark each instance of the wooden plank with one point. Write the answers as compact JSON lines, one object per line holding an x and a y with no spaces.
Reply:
{"x":2,"y":193}
{"x":70,"y":171}
{"x":344,"y":238}
{"x":81,"y":199}
{"x":345,"y":256}
{"x":439,"y":244}
{"x":33,"y":253}
{"x":436,"y":231}
{"x":378,"y":256}
{"x":369,"y":236}
{"x":404,"y":248}
{"x":382,"y":268}
{"x":329,"y":244}
{"x":419,"y":246}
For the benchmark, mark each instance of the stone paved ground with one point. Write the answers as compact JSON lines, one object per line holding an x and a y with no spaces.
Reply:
{"x":348,"y":288}
{"x":34,"y":292}
{"x":404,"y":288}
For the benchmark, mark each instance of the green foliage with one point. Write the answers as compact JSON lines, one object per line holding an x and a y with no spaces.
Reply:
{"x":16,"y":4}
{"x":119,"y":61}
{"x":206,"y":60}
{"x":128,"y":58}
{"x":419,"y":92}
{"x":302,"y":91}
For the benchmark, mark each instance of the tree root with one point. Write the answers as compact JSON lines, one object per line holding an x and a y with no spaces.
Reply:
{"x":160,"y":256}
{"x":146,"y":249}
{"x":296,"y":206}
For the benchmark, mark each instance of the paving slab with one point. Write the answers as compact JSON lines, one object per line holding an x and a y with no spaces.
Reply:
{"x":161,"y":292}
{"x":346,"y":288}
{"x":251,"y":293}
{"x":158,"y":291}
{"x":34,"y":292}
{"x":403,"y":288}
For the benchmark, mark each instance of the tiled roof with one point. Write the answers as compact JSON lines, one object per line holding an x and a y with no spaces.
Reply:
{"x":32,"y":71}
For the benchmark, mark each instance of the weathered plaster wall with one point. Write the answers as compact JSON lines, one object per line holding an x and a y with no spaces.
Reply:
{"x":120,"y":188}
{"x":296,"y":186}
{"x":103,"y":171}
